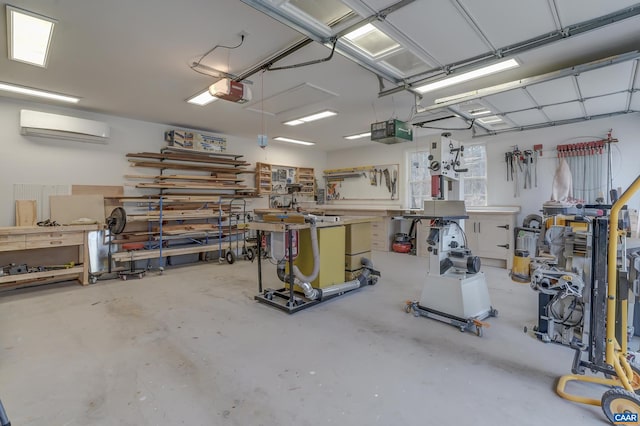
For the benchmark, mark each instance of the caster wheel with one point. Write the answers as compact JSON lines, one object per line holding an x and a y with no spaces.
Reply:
{"x":231,"y":258}
{"x":268,"y":296}
{"x":249,"y":255}
{"x":479,"y":331}
{"x":462,"y":328}
{"x":525,"y":329}
{"x":93,"y":280}
{"x":140,"y":275}
{"x":618,"y":402}
{"x":493,"y":312}
{"x":123,"y":277}
{"x":407,"y":308}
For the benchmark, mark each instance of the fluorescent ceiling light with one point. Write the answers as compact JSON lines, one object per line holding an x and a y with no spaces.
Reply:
{"x":29,"y":36}
{"x":471,"y":75}
{"x":281,"y":139}
{"x":202,"y":99}
{"x":312,"y":117}
{"x":35,"y":92}
{"x":489,"y":120}
{"x":477,"y":112}
{"x":358,"y":136}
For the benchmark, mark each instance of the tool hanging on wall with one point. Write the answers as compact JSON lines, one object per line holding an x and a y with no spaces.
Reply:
{"x":387,"y":179}
{"x":373,"y":177}
{"x":528,"y":161}
{"x":394,"y":182}
{"x":537,"y":152}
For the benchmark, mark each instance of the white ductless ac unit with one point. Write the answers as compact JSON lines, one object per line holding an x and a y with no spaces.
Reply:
{"x":56,"y":126}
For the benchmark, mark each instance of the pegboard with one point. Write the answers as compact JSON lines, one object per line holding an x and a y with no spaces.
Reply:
{"x":376,"y":182}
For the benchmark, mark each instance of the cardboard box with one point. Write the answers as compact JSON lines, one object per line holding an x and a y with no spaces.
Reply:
{"x":358,"y":238}
{"x":352,"y":261}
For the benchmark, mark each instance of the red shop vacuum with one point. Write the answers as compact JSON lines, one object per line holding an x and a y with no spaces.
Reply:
{"x":405,"y":243}
{"x":401,"y":243}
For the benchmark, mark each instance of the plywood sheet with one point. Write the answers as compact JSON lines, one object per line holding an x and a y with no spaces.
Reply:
{"x":109,"y":192}
{"x":26,"y":212}
{"x":75,"y":209}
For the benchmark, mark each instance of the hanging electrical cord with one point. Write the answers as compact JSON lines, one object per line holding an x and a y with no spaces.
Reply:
{"x":422,"y":126}
{"x":216,"y":47}
{"x":194,"y":65}
{"x":334,"y":41}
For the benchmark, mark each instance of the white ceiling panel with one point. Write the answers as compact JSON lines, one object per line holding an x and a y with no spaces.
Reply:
{"x":574,"y":11}
{"x":292,"y":98}
{"x":635,"y":101}
{"x":554,"y":91}
{"x":512,"y":100}
{"x":504,"y":23}
{"x":601,"y":81}
{"x":564,"y":111}
{"x":606,"y":104}
{"x":439,"y":28}
{"x":525,"y":118}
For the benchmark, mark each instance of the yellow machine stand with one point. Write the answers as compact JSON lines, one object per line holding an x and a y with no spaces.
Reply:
{"x":331,"y":246}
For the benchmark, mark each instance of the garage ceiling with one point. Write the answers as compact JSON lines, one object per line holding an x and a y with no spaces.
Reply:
{"x":133,"y":59}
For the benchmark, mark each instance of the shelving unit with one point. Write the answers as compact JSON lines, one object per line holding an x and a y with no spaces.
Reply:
{"x":302,"y":175}
{"x":190,"y":212}
{"x":306,"y":177}
{"x":263,"y":178}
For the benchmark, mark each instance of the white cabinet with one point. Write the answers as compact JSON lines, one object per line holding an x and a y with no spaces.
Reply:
{"x":381,"y":234}
{"x":490,"y":236}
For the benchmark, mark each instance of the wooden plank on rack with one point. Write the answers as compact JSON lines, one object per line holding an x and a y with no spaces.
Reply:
{"x":199,"y":158}
{"x":233,"y":178}
{"x":26,"y":213}
{"x":171,"y":185}
{"x":150,"y":254}
{"x":180,"y":166}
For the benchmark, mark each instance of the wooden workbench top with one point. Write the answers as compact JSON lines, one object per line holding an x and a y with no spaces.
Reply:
{"x":20,"y":230}
{"x":281,"y":226}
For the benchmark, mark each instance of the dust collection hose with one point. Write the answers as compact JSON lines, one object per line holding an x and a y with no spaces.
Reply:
{"x":304,"y":282}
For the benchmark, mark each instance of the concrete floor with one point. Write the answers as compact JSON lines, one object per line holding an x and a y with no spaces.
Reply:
{"x":192,"y":347}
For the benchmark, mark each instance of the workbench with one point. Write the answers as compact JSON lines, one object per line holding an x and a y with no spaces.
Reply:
{"x":51,"y":246}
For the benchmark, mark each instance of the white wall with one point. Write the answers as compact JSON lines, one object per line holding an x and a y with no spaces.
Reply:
{"x":50,"y":161}
{"x":626,"y":156}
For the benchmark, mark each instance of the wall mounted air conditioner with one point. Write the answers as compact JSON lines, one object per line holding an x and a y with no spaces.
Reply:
{"x":43,"y":124}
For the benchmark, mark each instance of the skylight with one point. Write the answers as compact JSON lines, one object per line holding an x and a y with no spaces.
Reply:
{"x":371,"y":40}
{"x":29,"y":36}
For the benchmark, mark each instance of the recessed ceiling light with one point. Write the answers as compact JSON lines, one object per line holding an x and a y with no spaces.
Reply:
{"x":471,"y":75}
{"x":358,"y":136}
{"x":312,"y":117}
{"x":202,"y":99}
{"x":490,"y":120}
{"x":36,"y":92}
{"x":29,"y":36}
{"x":281,"y":139}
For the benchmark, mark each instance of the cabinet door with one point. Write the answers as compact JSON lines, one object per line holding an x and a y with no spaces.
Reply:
{"x":493,"y":237}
